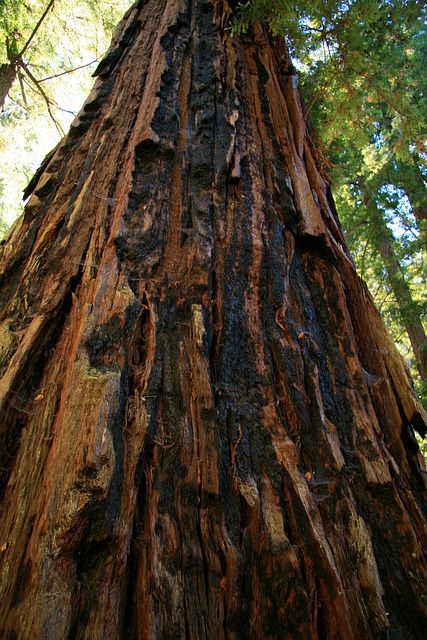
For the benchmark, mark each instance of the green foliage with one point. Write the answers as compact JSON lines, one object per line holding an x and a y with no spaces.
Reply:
{"x":51,"y":83}
{"x":239,"y":25}
{"x":354,"y":55}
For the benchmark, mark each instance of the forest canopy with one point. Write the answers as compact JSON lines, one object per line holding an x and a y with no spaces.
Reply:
{"x":361,"y":67}
{"x":48,"y":51}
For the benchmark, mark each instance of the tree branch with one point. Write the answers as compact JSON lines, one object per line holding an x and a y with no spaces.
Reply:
{"x":44,"y":95}
{"x":36,"y":28}
{"x":21,"y":84}
{"x":64,"y":73}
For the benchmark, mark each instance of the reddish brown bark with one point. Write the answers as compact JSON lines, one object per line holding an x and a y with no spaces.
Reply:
{"x":206,"y":431}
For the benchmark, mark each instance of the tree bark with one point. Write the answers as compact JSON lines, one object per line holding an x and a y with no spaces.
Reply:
{"x":206,"y":431}
{"x":7,"y":77}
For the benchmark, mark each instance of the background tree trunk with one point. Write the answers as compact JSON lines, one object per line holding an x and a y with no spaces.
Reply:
{"x":413,"y":183}
{"x":7,"y":78}
{"x":408,"y":309}
{"x":206,"y":431}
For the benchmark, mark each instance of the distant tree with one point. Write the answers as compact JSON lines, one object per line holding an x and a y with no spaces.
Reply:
{"x":30,"y":35}
{"x":410,"y":314}
{"x":16,"y":64}
{"x":48,"y":51}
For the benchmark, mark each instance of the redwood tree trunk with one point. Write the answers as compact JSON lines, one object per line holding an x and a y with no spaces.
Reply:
{"x":205,"y":430}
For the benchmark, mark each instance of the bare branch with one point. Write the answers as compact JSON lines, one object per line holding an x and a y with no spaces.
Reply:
{"x":46,"y":98}
{"x":36,"y":28}
{"x":64,"y":73}
{"x":21,"y":84}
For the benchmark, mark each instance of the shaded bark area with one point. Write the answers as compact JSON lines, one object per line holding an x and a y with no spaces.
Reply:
{"x":206,"y":431}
